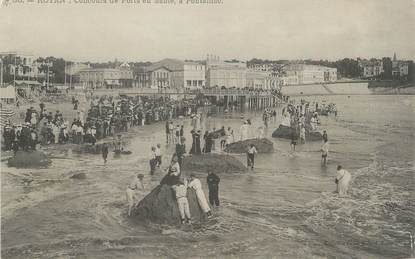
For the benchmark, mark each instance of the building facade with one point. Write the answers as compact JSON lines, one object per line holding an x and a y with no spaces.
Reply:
{"x":310,"y":74}
{"x":21,"y":66}
{"x":261,"y":80}
{"x":371,"y":68}
{"x":171,"y":74}
{"x":106,"y":78}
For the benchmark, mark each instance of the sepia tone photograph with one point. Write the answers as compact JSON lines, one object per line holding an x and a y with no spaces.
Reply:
{"x":207,"y":129}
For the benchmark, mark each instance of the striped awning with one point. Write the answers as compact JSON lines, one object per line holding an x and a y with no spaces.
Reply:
{"x":5,"y":115}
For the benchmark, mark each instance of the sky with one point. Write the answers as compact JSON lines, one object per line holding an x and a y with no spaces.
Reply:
{"x":241,"y":29}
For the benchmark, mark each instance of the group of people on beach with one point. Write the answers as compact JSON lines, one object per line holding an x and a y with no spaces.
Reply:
{"x":180,"y":185}
{"x":40,"y":126}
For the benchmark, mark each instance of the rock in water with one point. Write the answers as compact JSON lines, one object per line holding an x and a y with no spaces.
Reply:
{"x":286,"y":132}
{"x":29,"y":159}
{"x":160,"y":206}
{"x":263,"y":146}
{"x":217,"y":163}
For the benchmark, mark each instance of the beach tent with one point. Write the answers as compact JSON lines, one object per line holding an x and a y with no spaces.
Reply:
{"x":8,"y":93}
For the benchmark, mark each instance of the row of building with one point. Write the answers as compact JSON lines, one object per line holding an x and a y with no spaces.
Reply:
{"x":386,"y":67}
{"x":172,"y":73}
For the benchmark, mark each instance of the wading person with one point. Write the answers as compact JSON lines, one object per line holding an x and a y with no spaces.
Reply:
{"x":250,"y":156}
{"x":180,"y":190}
{"x":158,"y":155}
{"x":343,"y":179}
{"x":302,"y":135}
{"x":213,"y":186}
{"x":294,"y":138}
{"x":201,"y":198}
{"x":325,"y":137}
{"x":153,"y":161}
{"x":135,"y":184}
{"x":324,"y":152}
{"x":105,"y":152}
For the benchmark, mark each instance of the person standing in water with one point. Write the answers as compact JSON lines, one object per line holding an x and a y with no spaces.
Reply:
{"x":158,"y":155}
{"x":250,"y":155}
{"x":343,"y":179}
{"x":153,"y":160}
{"x":324,"y":152}
{"x":294,"y":138}
{"x":195,"y":184}
{"x":135,"y":184}
{"x":325,"y":137}
{"x":213,"y":185}
{"x":105,"y":152}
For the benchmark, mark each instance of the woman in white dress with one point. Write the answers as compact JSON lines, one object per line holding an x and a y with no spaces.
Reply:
{"x":201,"y":198}
{"x":343,"y":179}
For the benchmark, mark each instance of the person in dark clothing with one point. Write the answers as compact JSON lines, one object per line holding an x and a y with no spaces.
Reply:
{"x":195,"y":150}
{"x":181,"y":150}
{"x":294,"y":138}
{"x":213,"y":185}
{"x":105,"y":152}
{"x":325,"y":137}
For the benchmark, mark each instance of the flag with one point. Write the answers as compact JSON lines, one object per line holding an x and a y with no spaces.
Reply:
{"x":5,"y":115}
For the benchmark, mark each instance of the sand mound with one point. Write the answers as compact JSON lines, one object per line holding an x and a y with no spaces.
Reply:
{"x":286,"y":132}
{"x":216,"y":163}
{"x":160,"y":206}
{"x":30,"y":159}
{"x":263,"y":146}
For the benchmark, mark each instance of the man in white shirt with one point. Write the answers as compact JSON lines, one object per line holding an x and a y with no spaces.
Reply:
{"x":180,"y":190}
{"x":251,"y":156}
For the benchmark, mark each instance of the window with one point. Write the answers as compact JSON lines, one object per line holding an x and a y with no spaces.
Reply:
{"x":200,"y":83}
{"x":189,"y":83}
{"x":194,"y":82}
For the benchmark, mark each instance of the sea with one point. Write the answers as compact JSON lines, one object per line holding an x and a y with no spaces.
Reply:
{"x":285,"y":208}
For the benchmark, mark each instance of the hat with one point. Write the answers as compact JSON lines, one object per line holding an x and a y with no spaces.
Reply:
{"x":140,"y":176}
{"x":192,"y":175}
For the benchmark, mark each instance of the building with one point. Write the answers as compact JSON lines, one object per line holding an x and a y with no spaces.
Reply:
{"x":21,"y":66}
{"x":236,"y":74}
{"x":371,"y":68}
{"x":99,"y":78}
{"x":171,"y":73}
{"x":72,"y":72}
{"x":400,"y":68}
{"x":310,"y":74}
{"x":194,"y":74}
{"x":225,"y":74}
{"x":261,"y":80}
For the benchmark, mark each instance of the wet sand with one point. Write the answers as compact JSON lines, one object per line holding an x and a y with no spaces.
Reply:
{"x":284,"y":209}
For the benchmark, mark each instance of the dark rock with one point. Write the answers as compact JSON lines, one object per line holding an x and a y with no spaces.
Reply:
{"x":218,"y":164}
{"x":286,"y":132}
{"x":160,"y":206}
{"x":79,"y":176}
{"x":29,"y":159}
{"x":262,"y":145}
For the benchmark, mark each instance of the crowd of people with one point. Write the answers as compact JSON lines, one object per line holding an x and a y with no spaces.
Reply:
{"x":108,"y":116}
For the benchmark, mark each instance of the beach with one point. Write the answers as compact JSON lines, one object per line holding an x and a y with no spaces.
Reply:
{"x":285,"y":208}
